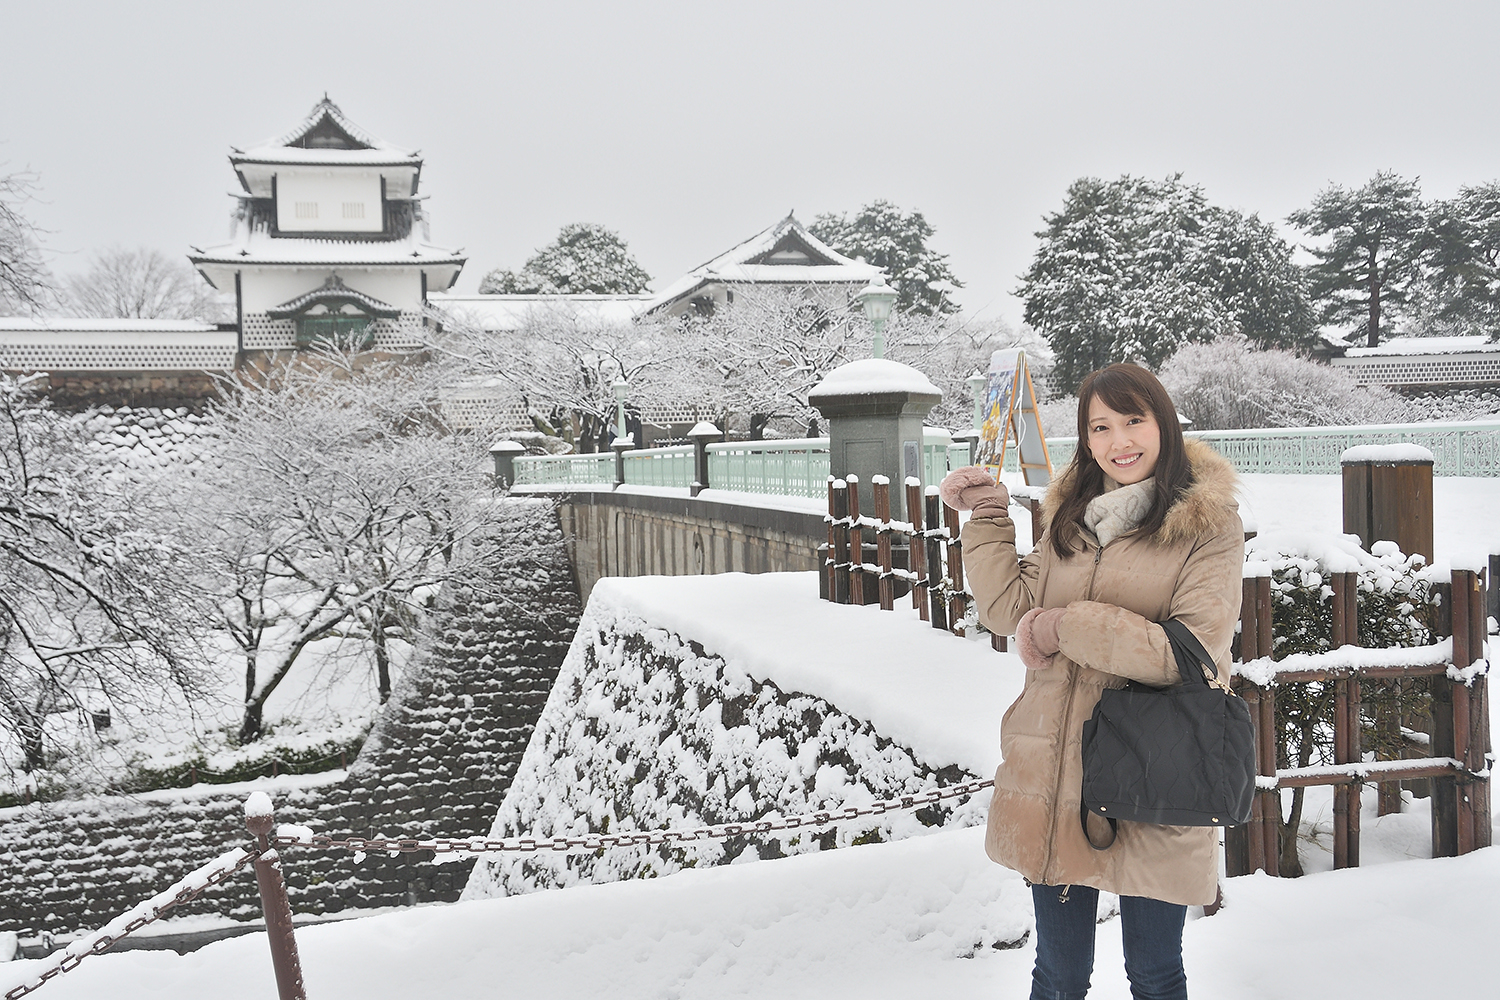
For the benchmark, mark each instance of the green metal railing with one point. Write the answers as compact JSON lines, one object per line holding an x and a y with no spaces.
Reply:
{"x":795,"y":467}
{"x":565,"y":470}
{"x":799,"y":467}
{"x":1470,"y":448}
{"x":660,"y":466}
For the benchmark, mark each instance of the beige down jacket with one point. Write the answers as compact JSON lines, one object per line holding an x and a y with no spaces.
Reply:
{"x":1190,"y":570}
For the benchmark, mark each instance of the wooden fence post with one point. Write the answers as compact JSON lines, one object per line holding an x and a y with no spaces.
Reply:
{"x":937,"y":605}
{"x":886,"y":584}
{"x":1389,"y":498}
{"x":957,"y":600}
{"x":856,"y":544}
{"x":917,"y":548}
{"x":838,"y":540}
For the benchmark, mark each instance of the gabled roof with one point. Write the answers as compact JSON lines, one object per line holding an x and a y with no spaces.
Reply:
{"x":334,"y":294}
{"x":325,"y":135}
{"x":786,"y":253}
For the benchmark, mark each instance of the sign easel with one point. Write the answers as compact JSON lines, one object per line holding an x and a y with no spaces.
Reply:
{"x":1010,"y":411}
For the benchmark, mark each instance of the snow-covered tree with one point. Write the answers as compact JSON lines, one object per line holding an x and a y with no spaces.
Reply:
{"x":1229,"y":384}
{"x":1462,"y":290}
{"x":561,"y":368}
{"x":1377,"y":236}
{"x":1132,"y":269}
{"x":91,"y":614}
{"x":887,"y":237}
{"x":141,"y":283}
{"x":760,"y":356}
{"x":584,"y":258}
{"x":336,"y":507}
{"x":24,"y":280}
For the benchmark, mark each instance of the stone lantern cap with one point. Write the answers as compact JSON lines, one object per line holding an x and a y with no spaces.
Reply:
{"x":506,"y":448}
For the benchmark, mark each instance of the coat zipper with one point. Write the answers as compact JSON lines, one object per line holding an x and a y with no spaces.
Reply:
{"x":1067,"y":728}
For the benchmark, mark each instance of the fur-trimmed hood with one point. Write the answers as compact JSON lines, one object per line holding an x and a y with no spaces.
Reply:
{"x":1202,"y":509}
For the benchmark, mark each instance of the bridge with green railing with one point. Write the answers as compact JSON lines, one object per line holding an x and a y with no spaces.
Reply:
{"x":799,"y":467}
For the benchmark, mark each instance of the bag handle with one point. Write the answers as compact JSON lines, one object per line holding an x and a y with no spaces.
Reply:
{"x":1188,"y":652}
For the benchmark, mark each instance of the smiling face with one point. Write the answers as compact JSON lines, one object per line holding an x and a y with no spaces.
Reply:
{"x":1126,"y":445}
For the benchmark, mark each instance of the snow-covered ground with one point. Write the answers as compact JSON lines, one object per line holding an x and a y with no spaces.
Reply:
{"x":892,"y":919}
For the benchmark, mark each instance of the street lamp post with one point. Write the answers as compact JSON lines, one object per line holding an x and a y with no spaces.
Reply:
{"x":622,"y":391}
{"x":876,"y":299}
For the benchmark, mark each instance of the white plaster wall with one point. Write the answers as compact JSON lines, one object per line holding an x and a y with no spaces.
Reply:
{"x":266,"y":288}
{"x":330,"y":190}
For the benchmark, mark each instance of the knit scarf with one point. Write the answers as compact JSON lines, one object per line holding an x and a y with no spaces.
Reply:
{"x":1114,"y":512}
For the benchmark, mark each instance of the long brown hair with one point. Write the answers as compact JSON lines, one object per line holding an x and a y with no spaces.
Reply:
{"x":1124,"y":388}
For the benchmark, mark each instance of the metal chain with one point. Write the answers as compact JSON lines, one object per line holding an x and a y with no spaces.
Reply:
{"x":653,"y":838}
{"x":69,"y":962}
{"x":523,"y":845}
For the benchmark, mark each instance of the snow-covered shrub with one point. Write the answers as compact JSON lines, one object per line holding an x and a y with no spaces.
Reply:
{"x":1394,"y":609}
{"x":1227,"y":384}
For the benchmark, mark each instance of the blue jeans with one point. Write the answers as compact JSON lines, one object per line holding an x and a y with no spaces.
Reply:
{"x":1152,"y":932}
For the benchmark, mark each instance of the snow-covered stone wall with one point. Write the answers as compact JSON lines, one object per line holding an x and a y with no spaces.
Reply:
{"x":649,"y":728}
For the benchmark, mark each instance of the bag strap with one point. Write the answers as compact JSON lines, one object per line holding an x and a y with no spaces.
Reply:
{"x":1189,"y":653}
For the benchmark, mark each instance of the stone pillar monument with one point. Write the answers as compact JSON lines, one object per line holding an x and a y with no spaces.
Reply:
{"x":875,"y":410}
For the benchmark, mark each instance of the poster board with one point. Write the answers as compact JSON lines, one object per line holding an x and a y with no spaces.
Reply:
{"x":1010,"y":414}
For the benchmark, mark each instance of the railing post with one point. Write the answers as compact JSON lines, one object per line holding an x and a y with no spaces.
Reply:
{"x":702,"y":433}
{"x":504,"y":455}
{"x":260,"y":820}
{"x":620,"y":446}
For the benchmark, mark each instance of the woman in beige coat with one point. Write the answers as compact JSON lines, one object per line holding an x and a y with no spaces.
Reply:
{"x":1142,"y":526}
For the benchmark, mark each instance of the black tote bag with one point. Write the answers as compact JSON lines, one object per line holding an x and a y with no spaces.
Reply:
{"x":1182,"y":755}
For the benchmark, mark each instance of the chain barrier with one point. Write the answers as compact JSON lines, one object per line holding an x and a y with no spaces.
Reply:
{"x":641,"y":838}
{"x":103,"y":942}
{"x":477,"y":845}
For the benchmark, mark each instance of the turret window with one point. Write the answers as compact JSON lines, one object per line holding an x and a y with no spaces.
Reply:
{"x":354,"y":210}
{"x":307,"y":210}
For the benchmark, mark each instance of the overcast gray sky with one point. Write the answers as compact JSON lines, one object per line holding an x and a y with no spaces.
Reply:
{"x":687,"y":127}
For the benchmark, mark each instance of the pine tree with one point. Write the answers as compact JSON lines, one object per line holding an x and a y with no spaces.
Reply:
{"x":585,"y":258}
{"x":1463,"y":267}
{"x":1377,"y":236}
{"x":887,"y":237}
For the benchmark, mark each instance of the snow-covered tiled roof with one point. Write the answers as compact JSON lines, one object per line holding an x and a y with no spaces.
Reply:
{"x":326,"y":122}
{"x":503,"y":313}
{"x":1407,"y":346}
{"x":334,"y":291}
{"x":752,"y":262}
{"x":75,"y":324}
{"x":260,"y":248}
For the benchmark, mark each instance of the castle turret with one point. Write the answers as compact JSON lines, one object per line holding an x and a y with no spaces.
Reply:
{"x":329,"y":240}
